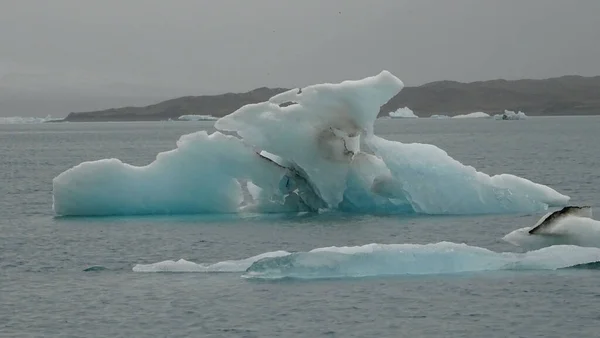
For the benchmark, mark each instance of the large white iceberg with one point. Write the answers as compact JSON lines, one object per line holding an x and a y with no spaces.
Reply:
{"x":403,"y":113}
{"x":386,"y":260}
{"x":306,"y":149}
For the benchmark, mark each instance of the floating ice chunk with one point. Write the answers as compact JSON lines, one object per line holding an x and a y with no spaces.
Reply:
{"x":385,"y":260}
{"x":568,"y":227}
{"x":439,"y":117}
{"x":26,"y":120}
{"x":435,"y":183}
{"x":403,"y":113}
{"x":186,"y":266}
{"x":197,"y":118}
{"x":413,"y":259}
{"x":200,"y":176}
{"x":476,"y":115}
{"x":580,"y":231}
{"x":511,"y":115}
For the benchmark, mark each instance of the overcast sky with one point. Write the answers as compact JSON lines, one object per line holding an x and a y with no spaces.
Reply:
{"x":212,"y":46}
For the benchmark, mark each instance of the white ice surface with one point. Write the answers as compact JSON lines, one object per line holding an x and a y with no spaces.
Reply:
{"x":568,"y":230}
{"x":476,"y":115}
{"x":385,"y":260}
{"x":186,"y":266}
{"x":320,"y":133}
{"x":200,"y":176}
{"x":435,"y":183}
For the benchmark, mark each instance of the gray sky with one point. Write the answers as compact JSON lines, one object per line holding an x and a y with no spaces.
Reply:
{"x":170,"y":48}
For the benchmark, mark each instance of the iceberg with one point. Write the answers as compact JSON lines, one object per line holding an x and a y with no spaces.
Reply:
{"x":197,"y":118}
{"x":373,"y":260}
{"x":183,"y":265}
{"x":511,"y":115}
{"x":439,"y":116}
{"x":308,"y":149}
{"x":200,"y":176}
{"x":580,"y":231}
{"x":26,"y":120}
{"x":435,"y":183}
{"x":403,"y":113}
{"x":476,"y":115}
{"x":568,"y":226}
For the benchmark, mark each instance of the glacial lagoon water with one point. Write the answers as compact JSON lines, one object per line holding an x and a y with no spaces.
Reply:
{"x":74,"y":276}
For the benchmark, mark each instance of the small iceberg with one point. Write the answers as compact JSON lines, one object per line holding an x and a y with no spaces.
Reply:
{"x":27,"y":120}
{"x":403,"y":113}
{"x":197,"y":118}
{"x":511,"y":115}
{"x":570,"y":225}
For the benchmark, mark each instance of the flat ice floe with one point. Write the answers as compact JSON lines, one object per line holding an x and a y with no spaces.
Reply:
{"x":197,"y":118}
{"x":475,"y":115}
{"x":26,"y":119}
{"x":386,"y":260}
{"x":307,"y":149}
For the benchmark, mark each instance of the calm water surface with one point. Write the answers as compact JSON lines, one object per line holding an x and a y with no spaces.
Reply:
{"x":45,"y":292}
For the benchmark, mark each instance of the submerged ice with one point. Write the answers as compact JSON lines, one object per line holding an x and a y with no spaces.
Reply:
{"x":386,"y":260}
{"x":307,"y":149}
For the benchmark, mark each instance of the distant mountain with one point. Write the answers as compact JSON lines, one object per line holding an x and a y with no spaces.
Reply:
{"x":567,"y":95}
{"x":215,"y":105}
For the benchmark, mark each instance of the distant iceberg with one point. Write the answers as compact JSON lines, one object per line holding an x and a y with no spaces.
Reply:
{"x":511,"y":115}
{"x":197,"y":118}
{"x":403,"y":113}
{"x":304,"y":150}
{"x":26,"y":120}
{"x":507,"y":115}
{"x":476,"y":115}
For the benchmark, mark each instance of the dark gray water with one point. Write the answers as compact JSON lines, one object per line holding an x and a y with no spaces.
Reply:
{"x":44,"y":290}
